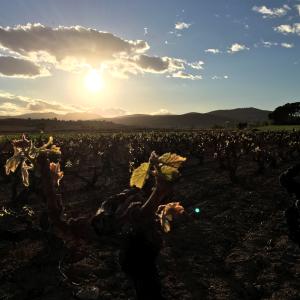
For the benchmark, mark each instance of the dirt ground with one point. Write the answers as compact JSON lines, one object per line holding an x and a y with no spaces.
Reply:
{"x":236,"y":247}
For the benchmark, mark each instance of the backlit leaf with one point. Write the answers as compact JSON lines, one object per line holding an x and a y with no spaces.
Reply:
{"x":166,"y":214}
{"x":172,"y":160}
{"x":55,"y":149}
{"x":140,"y":175}
{"x":166,"y":226}
{"x":12,"y":164}
{"x":50,"y":142}
{"x":169,"y":173}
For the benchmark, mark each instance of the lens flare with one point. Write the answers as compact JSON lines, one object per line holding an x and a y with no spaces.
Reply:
{"x":197,"y":210}
{"x":94,"y":81}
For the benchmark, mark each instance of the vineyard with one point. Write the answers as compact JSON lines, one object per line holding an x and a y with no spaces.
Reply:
{"x":227,"y":239}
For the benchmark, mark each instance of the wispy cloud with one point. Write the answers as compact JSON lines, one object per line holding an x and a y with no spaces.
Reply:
{"x":109,"y":112}
{"x":298,"y":8}
{"x":215,"y":77}
{"x":213,"y":51}
{"x":11,"y":104}
{"x":183,"y":75}
{"x":268,"y":44}
{"x":288,"y":29}
{"x":161,"y":112}
{"x":14,"y":105}
{"x":271,"y":12}
{"x":236,"y":47}
{"x":182,"y":25}
{"x":157,"y":64}
{"x":198,"y":65}
{"x":287,"y":45}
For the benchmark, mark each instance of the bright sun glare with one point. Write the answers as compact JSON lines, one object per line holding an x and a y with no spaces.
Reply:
{"x":94,"y":81}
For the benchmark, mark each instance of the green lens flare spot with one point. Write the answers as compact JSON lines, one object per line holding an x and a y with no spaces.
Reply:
{"x":197,"y":210}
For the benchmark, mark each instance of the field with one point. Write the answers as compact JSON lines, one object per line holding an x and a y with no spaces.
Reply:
{"x":236,"y":245}
{"x":279,"y":127}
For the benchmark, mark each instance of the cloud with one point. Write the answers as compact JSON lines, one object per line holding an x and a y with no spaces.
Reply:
{"x":109,"y":112}
{"x":161,"y":112}
{"x":198,"y":65}
{"x":237,"y":48}
{"x":287,"y":45}
{"x":76,"y":48}
{"x":182,"y":25}
{"x":269,"y":44}
{"x":173,"y":66}
{"x":18,"y":67}
{"x":288,"y":29}
{"x":213,"y":51}
{"x":271,"y":12}
{"x":215,"y":77}
{"x":298,"y":8}
{"x":183,"y":75}
{"x":153,"y":64}
{"x":85,"y":44}
{"x":15,"y":105}
{"x":156,"y":64}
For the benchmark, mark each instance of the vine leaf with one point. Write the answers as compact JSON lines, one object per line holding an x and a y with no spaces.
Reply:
{"x":140,"y":175}
{"x":12,"y":164}
{"x":172,"y":160}
{"x":25,"y":155}
{"x":49,"y":143}
{"x":166,"y":214}
{"x":169,"y":173}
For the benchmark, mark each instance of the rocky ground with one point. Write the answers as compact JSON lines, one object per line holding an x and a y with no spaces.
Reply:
{"x":236,"y":247}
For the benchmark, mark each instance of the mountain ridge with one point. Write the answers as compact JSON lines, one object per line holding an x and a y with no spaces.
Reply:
{"x":186,"y":120}
{"x":195,"y":119}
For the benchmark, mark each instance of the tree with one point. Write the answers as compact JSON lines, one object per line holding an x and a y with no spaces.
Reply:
{"x":286,"y":114}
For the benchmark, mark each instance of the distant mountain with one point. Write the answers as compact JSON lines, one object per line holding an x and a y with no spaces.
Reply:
{"x":250,"y":114}
{"x":65,"y":117}
{"x":184,"y":121}
{"x":189,"y":120}
{"x":79,"y":116}
{"x":49,"y":115}
{"x":194,"y":119}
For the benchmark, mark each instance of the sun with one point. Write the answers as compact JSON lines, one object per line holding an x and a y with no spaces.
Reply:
{"x":93,"y":81}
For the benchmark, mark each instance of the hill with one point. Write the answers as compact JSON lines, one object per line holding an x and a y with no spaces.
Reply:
{"x":250,"y":114}
{"x":194,"y":119}
{"x":34,"y":116}
{"x":76,"y":116}
{"x":15,"y":125}
{"x":183,"y":121}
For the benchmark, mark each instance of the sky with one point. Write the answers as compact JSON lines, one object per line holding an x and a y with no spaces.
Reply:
{"x":136,"y":56}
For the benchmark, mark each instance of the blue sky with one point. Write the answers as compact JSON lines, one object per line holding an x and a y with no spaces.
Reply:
{"x":164,"y":66}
